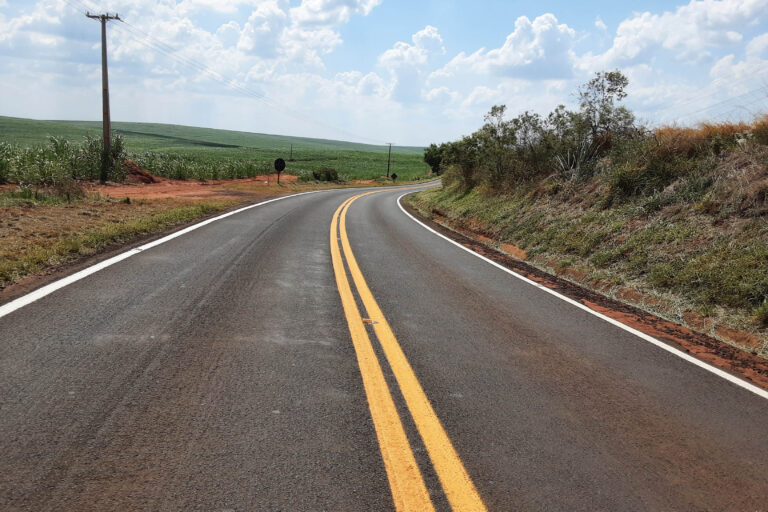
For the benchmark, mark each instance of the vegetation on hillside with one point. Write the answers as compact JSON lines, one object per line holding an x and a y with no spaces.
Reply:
{"x":674,"y":211}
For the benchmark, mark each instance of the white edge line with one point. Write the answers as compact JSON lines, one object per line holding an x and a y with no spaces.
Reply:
{"x":38,"y":294}
{"x":701,"y":364}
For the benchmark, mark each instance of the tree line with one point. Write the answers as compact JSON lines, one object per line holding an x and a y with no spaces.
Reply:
{"x":505,"y":152}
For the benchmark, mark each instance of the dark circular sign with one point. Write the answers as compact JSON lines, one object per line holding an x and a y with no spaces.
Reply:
{"x":279,"y":165}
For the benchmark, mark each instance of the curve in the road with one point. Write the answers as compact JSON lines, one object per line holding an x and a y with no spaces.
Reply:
{"x":687,"y":357}
{"x":38,"y":294}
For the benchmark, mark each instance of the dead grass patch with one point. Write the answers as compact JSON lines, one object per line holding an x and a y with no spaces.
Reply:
{"x":35,"y":236}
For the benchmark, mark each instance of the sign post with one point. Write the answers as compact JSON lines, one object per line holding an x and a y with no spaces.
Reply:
{"x":279,"y":167}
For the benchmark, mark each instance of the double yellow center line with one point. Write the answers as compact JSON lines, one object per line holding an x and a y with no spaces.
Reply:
{"x":405,"y":479}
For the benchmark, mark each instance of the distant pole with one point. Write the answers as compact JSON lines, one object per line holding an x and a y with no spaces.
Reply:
{"x":290,"y":158}
{"x":106,"y":123}
{"x":389,"y":157}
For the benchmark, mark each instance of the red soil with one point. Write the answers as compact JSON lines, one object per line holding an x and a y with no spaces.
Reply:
{"x":147,"y":186}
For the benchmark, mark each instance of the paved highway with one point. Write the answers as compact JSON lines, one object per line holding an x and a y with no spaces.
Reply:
{"x":326,"y":352}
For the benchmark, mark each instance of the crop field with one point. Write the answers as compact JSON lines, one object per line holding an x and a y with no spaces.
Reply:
{"x":183,"y":152}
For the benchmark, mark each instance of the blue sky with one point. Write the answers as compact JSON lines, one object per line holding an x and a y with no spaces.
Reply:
{"x":379,"y":70}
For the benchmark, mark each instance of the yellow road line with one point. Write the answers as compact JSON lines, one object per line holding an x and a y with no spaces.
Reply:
{"x":458,"y":486}
{"x":405,"y":480}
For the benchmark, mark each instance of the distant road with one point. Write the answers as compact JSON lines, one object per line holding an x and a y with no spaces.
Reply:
{"x":326,"y":352}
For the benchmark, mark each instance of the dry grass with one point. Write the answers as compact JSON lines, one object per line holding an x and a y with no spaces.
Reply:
{"x":689,"y":142}
{"x":36,"y":235}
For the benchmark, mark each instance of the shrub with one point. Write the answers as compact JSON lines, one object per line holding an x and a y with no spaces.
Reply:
{"x":325,"y":174}
{"x":647,"y":169}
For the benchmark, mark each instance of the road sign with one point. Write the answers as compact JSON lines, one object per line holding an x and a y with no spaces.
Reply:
{"x":279,"y":167}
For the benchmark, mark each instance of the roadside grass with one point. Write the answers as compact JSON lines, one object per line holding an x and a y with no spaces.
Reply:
{"x":44,"y":227}
{"x":48,"y":232}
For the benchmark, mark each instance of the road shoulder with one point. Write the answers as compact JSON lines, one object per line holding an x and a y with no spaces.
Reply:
{"x":742,"y":364}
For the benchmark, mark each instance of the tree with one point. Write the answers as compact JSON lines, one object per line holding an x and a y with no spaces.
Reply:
{"x":497,"y":139}
{"x":598,"y":100}
{"x":530,"y":143}
{"x":433,"y":156}
{"x":463,"y":160}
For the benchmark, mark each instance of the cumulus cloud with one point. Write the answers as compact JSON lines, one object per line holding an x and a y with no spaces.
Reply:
{"x":330,"y":12}
{"x":538,"y":49}
{"x":263,"y":31}
{"x":426,"y":42}
{"x":229,"y":34}
{"x":688,"y":33}
{"x":407,"y":63}
{"x":751,"y":71}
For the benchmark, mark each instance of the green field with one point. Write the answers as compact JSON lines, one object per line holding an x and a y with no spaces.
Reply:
{"x":189,"y":152}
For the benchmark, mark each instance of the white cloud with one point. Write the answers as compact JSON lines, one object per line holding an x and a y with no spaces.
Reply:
{"x":408,"y":64}
{"x":538,"y":49}
{"x":688,"y":32}
{"x":263,"y":31}
{"x":750,"y":72}
{"x":330,"y":12}
{"x":426,"y":42}
{"x":229,"y":33}
{"x":600,"y":24}
{"x":442,"y":95}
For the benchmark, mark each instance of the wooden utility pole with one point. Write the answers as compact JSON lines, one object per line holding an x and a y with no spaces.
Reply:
{"x":389,"y":157}
{"x":106,"y":124}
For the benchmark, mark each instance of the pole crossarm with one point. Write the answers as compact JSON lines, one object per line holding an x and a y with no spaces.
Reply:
{"x":103,"y":17}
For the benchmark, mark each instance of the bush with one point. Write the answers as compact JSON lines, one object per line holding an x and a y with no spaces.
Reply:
{"x":325,"y":174}
{"x":647,"y":168}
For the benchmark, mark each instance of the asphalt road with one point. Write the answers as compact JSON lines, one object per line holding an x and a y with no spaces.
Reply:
{"x":218,"y":372}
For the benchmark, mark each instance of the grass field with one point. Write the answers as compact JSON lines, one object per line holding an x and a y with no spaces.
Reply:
{"x":189,"y":152}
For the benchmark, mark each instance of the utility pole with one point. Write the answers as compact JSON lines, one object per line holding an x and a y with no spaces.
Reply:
{"x":107,"y":123}
{"x":389,"y":157}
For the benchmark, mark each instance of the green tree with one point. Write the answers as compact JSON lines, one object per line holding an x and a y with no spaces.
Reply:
{"x":433,"y":156}
{"x":598,"y":101}
{"x":531,"y":144}
{"x":497,"y":141}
